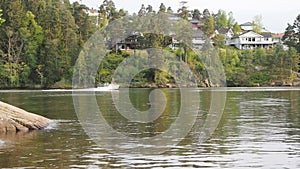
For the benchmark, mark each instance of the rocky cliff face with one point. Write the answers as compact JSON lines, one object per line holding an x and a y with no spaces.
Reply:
{"x":13,"y":119}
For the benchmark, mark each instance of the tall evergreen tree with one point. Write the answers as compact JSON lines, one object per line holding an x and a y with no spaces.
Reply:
{"x":170,"y":10}
{"x":142,"y":11}
{"x":236,"y":29}
{"x":32,"y":35}
{"x":183,"y":12}
{"x":289,"y":37}
{"x":162,"y":8}
{"x":206,"y":13}
{"x":221,"y":19}
{"x":11,"y":34}
{"x":196,"y":14}
{"x":292,"y":34}
{"x":108,"y":12}
{"x":209,"y":26}
{"x":231,"y":20}
{"x":149,"y":9}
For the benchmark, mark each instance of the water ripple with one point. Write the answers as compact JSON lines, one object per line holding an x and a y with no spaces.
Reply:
{"x":259,"y":129}
{"x":2,"y":143}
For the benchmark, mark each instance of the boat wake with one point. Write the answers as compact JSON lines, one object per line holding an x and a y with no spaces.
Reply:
{"x":107,"y":87}
{"x":55,"y":124}
{"x":52,"y":125}
{"x":2,"y":143}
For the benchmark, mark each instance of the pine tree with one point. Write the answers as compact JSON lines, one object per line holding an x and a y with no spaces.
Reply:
{"x":231,"y":20}
{"x":221,"y":19}
{"x":169,"y":10}
{"x":196,"y":14}
{"x":142,"y":11}
{"x":236,"y":29}
{"x":209,"y":27}
{"x":149,"y":9}
{"x":206,"y":13}
{"x":292,"y":34}
{"x":162,"y":8}
{"x":183,"y":12}
{"x":13,"y":48}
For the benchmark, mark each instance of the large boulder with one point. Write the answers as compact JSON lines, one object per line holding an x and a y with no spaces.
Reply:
{"x":13,"y":119}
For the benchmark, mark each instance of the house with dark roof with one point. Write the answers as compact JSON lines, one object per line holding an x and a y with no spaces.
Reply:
{"x":227,"y":33}
{"x":252,"y":40}
{"x":198,"y":38}
{"x":197,"y":23}
{"x":247,"y":26}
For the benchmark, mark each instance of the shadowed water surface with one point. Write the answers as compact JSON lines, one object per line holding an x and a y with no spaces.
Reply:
{"x":260,"y":127}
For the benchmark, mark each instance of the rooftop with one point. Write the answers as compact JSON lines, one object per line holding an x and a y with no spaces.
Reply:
{"x":246,"y":24}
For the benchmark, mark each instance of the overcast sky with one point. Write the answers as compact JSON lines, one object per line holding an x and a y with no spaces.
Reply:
{"x":275,"y":13}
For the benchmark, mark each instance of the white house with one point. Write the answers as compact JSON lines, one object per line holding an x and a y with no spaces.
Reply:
{"x":252,"y":40}
{"x":248,"y":26}
{"x":228,"y":34}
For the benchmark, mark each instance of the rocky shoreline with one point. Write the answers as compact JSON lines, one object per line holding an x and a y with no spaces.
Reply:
{"x":208,"y":84}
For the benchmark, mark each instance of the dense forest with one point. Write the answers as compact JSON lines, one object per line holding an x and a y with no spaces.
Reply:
{"x":41,"y":41}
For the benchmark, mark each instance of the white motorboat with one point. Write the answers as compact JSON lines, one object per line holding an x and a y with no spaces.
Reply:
{"x":107,"y":87}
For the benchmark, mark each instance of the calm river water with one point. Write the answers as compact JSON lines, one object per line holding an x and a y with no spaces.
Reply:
{"x":259,"y":128}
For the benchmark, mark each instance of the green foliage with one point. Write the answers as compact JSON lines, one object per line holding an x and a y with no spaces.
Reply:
{"x":292,"y":34}
{"x":289,"y":37}
{"x":219,"y":40}
{"x":108,"y":10}
{"x":33,"y":36}
{"x":231,"y":20}
{"x":206,"y":13}
{"x":149,"y":9}
{"x":110,"y":62}
{"x":257,"y":24}
{"x":41,"y":41}
{"x":162,"y":8}
{"x":259,"y":57}
{"x":209,"y":26}
{"x":221,"y":20}
{"x":44,"y":39}
{"x":170,"y":10}
{"x":184,"y":33}
{"x":151,"y":40}
{"x":258,"y":67}
{"x":183,"y":12}
{"x":236,"y":29}
{"x":259,"y":78}
{"x":142,"y":11}
{"x":196,"y":14}
{"x":294,"y":59}
{"x":1,"y":19}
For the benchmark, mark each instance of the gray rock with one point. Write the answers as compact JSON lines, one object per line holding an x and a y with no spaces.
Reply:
{"x":296,"y":83}
{"x":13,"y":119}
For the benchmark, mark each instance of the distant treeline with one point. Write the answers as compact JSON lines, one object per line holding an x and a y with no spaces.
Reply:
{"x":41,"y":41}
